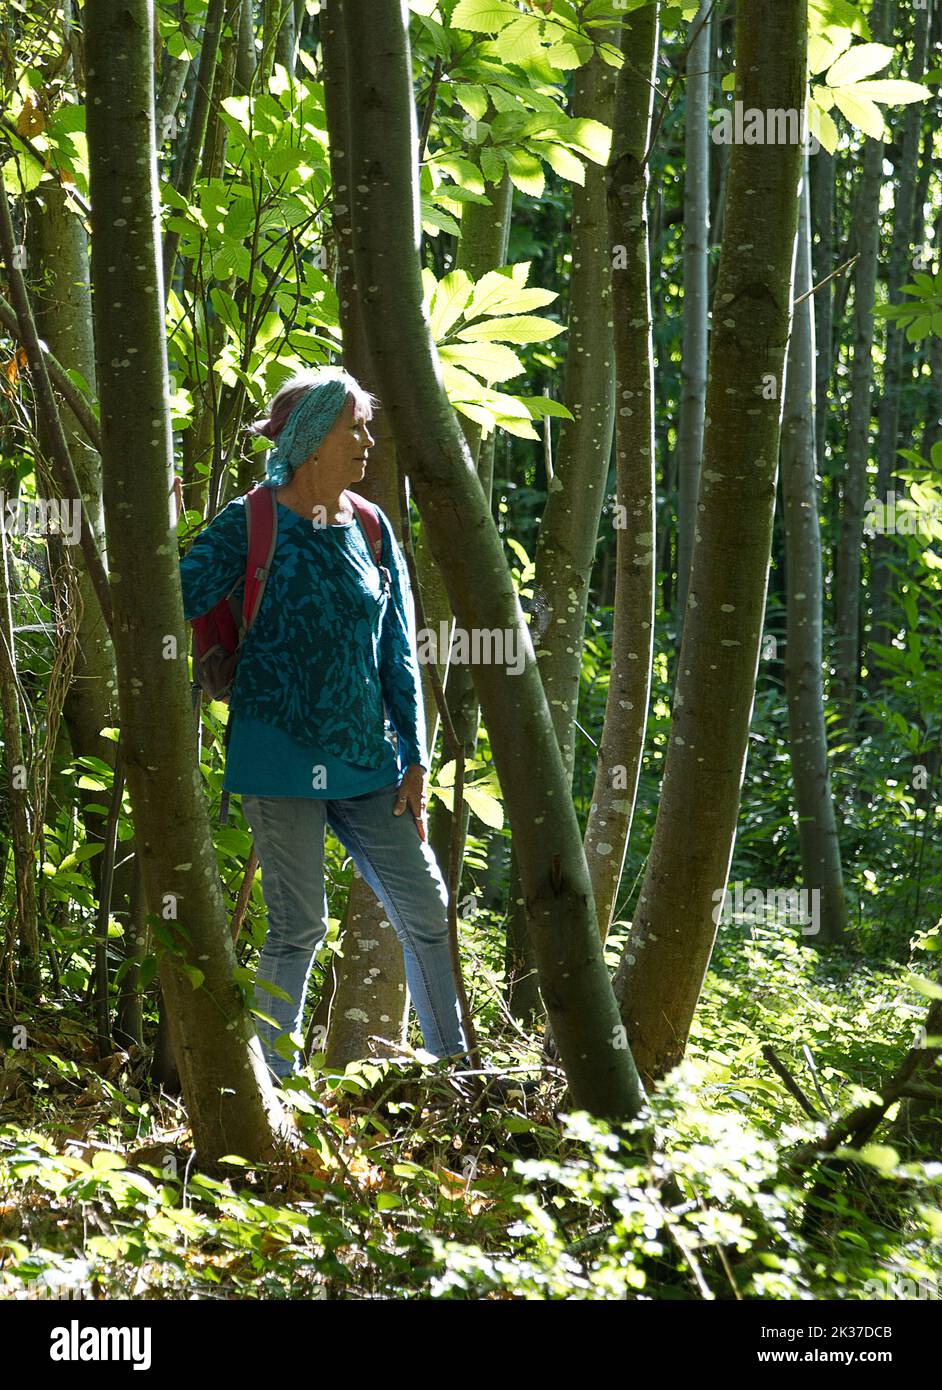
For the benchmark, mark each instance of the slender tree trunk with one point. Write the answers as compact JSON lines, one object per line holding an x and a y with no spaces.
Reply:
{"x":229,"y":1099}
{"x":368,"y":981}
{"x":666,"y":957}
{"x":626,"y":709}
{"x":466,"y":543}
{"x":817,"y":824}
{"x":847,"y":561}
{"x":196,"y":126}
{"x":62,"y":305}
{"x":696,"y":260}
{"x":485,"y":231}
{"x":933,"y":428}
{"x":246,"y":58}
{"x":899,"y":272}
{"x":20,"y":784}
{"x":823,"y":263}
{"x":569,"y":528}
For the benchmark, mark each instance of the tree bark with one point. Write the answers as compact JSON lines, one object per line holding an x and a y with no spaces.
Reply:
{"x":666,"y":957}
{"x":822,"y":261}
{"x":569,"y":528}
{"x":626,"y":709}
{"x":21,"y":832}
{"x":695,"y":304}
{"x":229,"y":1099}
{"x":369,"y":982}
{"x":63,"y":311}
{"x":899,"y":271}
{"x":847,"y":560}
{"x":817,"y":824}
{"x":466,"y":543}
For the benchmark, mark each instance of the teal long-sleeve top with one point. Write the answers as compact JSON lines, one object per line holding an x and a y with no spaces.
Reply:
{"x":329,"y":654}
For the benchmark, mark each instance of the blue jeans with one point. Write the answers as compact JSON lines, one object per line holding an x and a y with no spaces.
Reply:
{"x":401,"y":870}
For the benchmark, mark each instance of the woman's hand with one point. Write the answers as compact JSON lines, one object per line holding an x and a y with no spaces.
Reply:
{"x":412,"y":794}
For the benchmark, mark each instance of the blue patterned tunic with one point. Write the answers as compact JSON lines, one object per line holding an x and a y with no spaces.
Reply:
{"x":327,"y":650}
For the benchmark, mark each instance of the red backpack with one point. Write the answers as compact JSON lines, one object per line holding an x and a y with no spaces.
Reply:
{"x":219,"y":634}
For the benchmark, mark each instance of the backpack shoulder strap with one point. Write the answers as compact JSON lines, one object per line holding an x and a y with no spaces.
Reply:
{"x":368,"y":517}
{"x":261,"y":520}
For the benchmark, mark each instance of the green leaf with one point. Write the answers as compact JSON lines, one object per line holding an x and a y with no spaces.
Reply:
{"x":461,"y":170}
{"x":859,"y":61}
{"x":526,"y":171}
{"x":545,"y":405}
{"x":522,"y":328}
{"x":592,"y":138}
{"x":824,"y":13}
{"x":487,"y":360}
{"x":880,"y":1156}
{"x":930,"y":988}
{"x":822,"y":127}
{"x":893,"y":91}
{"x":519,"y":41}
{"x":505,"y":292}
{"x":486,"y":807}
{"x":492,"y":166}
{"x":564,"y":163}
{"x":473,"y":99}
{"x":435,"y":221}
{"x":825,"y":48}
{"x":461,"y":387}
{"x":860,"y":112}
{"x":483,"y":16}
{"x":448,"y":302}
{"x":568,"y":55}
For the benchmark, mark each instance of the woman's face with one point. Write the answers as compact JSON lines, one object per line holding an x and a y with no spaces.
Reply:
{"x":342,"y":454}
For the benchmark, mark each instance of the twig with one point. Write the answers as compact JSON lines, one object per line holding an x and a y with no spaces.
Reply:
{"x":789,"y":1082}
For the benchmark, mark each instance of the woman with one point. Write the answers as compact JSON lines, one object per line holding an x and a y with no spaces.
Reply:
{"x":309,"y":746}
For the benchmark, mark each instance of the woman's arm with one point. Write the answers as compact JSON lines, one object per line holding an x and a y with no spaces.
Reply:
{"x":216,"y":560}
{"x":398,"y":661}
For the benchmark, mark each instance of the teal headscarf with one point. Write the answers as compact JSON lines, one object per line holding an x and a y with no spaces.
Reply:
{"x":309,"y":423}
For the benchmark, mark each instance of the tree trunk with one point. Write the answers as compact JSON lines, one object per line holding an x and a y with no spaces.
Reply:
{"x":468,"y":547}
{"x":20,"y":784}
{"x":847,"y":560}
{"x":666,"y":957}
{"x":899,"y":272}
{"x":822,"y":261}
{"x":695,"y":312}
{"x":626,"y":709}
{"x":369,"y":981}
{"x":229,"y":1099}
{"x":569,"y":529}
{"x":817,"y":825}
{"x":63,"y":311}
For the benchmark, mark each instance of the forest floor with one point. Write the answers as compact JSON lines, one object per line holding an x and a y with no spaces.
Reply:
{"x":407,"y":1188}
